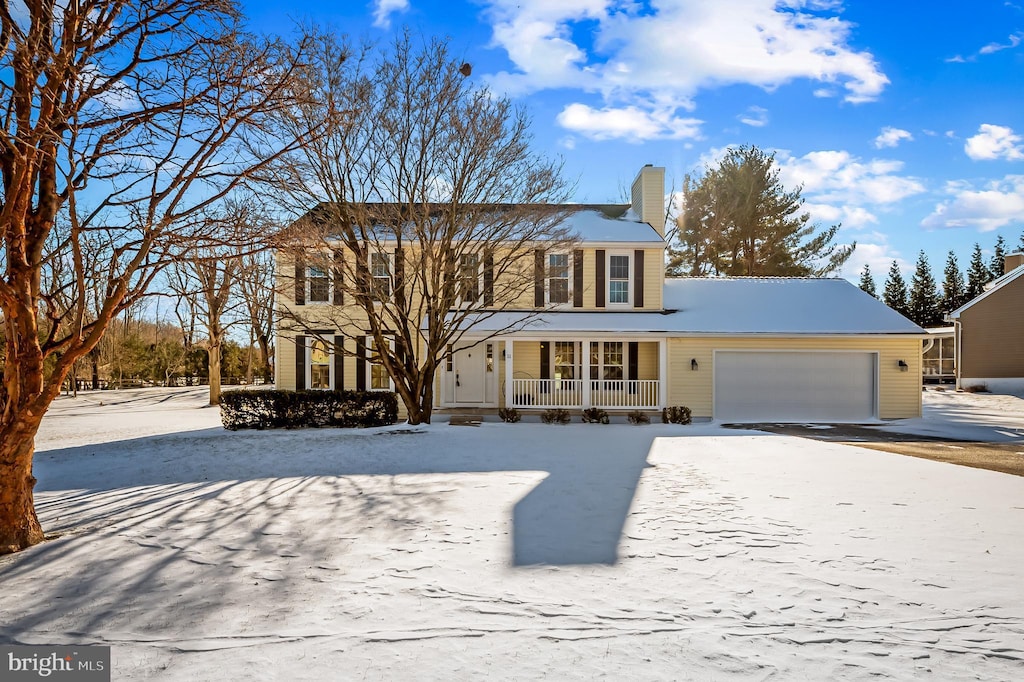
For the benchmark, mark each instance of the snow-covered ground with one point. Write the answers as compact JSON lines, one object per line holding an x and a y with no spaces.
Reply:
{"x":510,"y":551}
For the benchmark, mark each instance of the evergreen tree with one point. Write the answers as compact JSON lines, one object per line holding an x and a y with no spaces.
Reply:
{"x":895,"y":293}
{"x":996,"y":265}
{"x":867,"y":282}
{"x":924,"y":300}
{"x":977,"y":274}
{"x":738,"y":219}
{"x":954,"y":293}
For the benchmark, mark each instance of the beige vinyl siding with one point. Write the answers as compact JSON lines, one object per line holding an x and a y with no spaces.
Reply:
{"x":990,"y":335}
{"x":526,"y":360}
{"x":654,"y":278}
{"x":899,"y":392}
{"x":284,"y":363}
{"x":647,"y":361}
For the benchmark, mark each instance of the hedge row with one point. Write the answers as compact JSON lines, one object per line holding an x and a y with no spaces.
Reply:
{"x":298,"y":409}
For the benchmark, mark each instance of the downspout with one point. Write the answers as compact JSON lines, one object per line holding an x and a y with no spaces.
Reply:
{"x":957,"y":352}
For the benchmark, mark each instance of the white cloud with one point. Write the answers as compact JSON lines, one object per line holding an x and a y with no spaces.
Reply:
{"x":996,"y":47}
{"x":837,"y":177}
{"x":891,"y":137}
{"x":994,"y":142}
{"x":997,"y":204}
{"x":754,"y":116}
{"x":657,"y":56}
{"x":629,"y":123}
{"x":875,"y":252}
{"x":383,"y":9}
{"x":855,"y":217}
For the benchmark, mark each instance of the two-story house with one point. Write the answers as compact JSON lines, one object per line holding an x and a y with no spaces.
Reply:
{"x":613,"y":332}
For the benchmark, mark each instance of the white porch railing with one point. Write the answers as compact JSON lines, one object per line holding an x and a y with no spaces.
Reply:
{"x":621,"y":393}
{"x":548,"y":393}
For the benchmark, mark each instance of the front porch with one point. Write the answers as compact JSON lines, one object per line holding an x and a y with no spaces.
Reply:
{"x":610,"y":373}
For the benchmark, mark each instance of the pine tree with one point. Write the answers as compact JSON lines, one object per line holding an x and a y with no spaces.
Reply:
{"x":953,"y":290}
{"x":997,"y":265}
{"x":739,"y":219}
{"x":867,"y":282}
{"x":924,"y":300}
{"x":977,"y":274}
{"x":895,"y":293}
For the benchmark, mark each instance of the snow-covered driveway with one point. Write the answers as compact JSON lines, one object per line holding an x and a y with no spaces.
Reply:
{"x":511,"y":551}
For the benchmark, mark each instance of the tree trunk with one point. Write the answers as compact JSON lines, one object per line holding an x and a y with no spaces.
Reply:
{"x":94,"y":358}
{"x":213,"y":365}
{"x":19,"y":525}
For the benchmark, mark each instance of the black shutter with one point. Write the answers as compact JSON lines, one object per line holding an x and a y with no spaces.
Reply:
{"x":339,"y":294}
{"x":545,"y":365}
{"x":339,"y":362}
{"x":633,"y":368}
{"x":300,"y":363}
{"x":488,"y":279}
{"x":599,"y":275}
{"x":398,"y":268}
{"x":300,"y":279}
{"x":577,"y":278}
{"x":360,"y":363}
{"x":638,"y":278}
{"x":538,"y":278}
{"x":362,"y":271}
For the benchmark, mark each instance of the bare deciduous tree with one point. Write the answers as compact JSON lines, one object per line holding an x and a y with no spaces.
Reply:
{"x":122,"y":122}
{"x":429,"y":206}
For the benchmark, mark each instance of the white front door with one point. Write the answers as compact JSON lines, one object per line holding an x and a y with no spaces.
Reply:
{"x":470,"y":367}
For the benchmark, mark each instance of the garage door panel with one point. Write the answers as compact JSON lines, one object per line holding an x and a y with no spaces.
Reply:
{"x":754,"y":386}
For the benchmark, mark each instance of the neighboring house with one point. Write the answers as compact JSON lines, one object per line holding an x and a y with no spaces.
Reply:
{"x":988,"y":333}
{"x":939,"y":361}
{"x":614,"y":333}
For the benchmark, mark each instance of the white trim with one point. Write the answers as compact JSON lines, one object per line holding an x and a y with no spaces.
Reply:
{"x":309,"y":286}
{"x":568,"y":303}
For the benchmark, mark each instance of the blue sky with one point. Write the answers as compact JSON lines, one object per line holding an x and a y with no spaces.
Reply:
{"x":903,"y":120}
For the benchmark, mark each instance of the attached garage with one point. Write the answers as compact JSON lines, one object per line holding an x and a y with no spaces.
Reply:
{"x":810,"y":386}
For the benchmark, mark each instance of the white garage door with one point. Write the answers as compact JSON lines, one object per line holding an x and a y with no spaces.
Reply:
{"x":794,"y":387}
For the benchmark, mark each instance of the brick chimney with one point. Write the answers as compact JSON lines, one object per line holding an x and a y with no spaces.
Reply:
{"x":648,"y":197}
{"x":1011,"y":261}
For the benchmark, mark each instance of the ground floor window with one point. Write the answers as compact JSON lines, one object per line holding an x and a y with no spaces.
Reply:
{"x":606,"y":360}
{"x":378,"y":378}
{"x":319,"y":365}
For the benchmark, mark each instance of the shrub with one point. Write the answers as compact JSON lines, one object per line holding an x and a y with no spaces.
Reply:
{"x":677,"y":414}
{"x":595,"y":415}
{"x":638,"y":417}
{"x":977,"y":388}
{"x":555,"y":416}
{"x":509,"y":414}
{"x":298,"y":409}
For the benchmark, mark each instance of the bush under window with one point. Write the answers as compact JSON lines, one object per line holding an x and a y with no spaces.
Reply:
{"x":298,"y":409}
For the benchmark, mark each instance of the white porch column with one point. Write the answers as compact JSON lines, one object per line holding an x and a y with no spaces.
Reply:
{"x":585,"y":350}
{"x":663,"y":373}
{"x":507,"y":352}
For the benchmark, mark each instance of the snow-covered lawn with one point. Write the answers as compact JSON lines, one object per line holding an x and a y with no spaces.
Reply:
{"x":509,"y":551}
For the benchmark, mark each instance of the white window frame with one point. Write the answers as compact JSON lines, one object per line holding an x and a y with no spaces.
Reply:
{"x":311,"y":343}
{"x":478,"y":284}
{"x":387,"y":278}
{"x":326,"y":276}
{"x":600,"y":366}
{"x":629,"y":278}
{"x":568,"y":278}
{"x":576,"y":364}
{"x":370,"y":365}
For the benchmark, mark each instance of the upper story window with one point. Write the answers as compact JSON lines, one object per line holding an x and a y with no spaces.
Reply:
{"x":319,"y":285}
{"x":380,"y":272}
{"x":618,"y":279}
{"x":469,"y":277}
{"x":558,"y":278}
